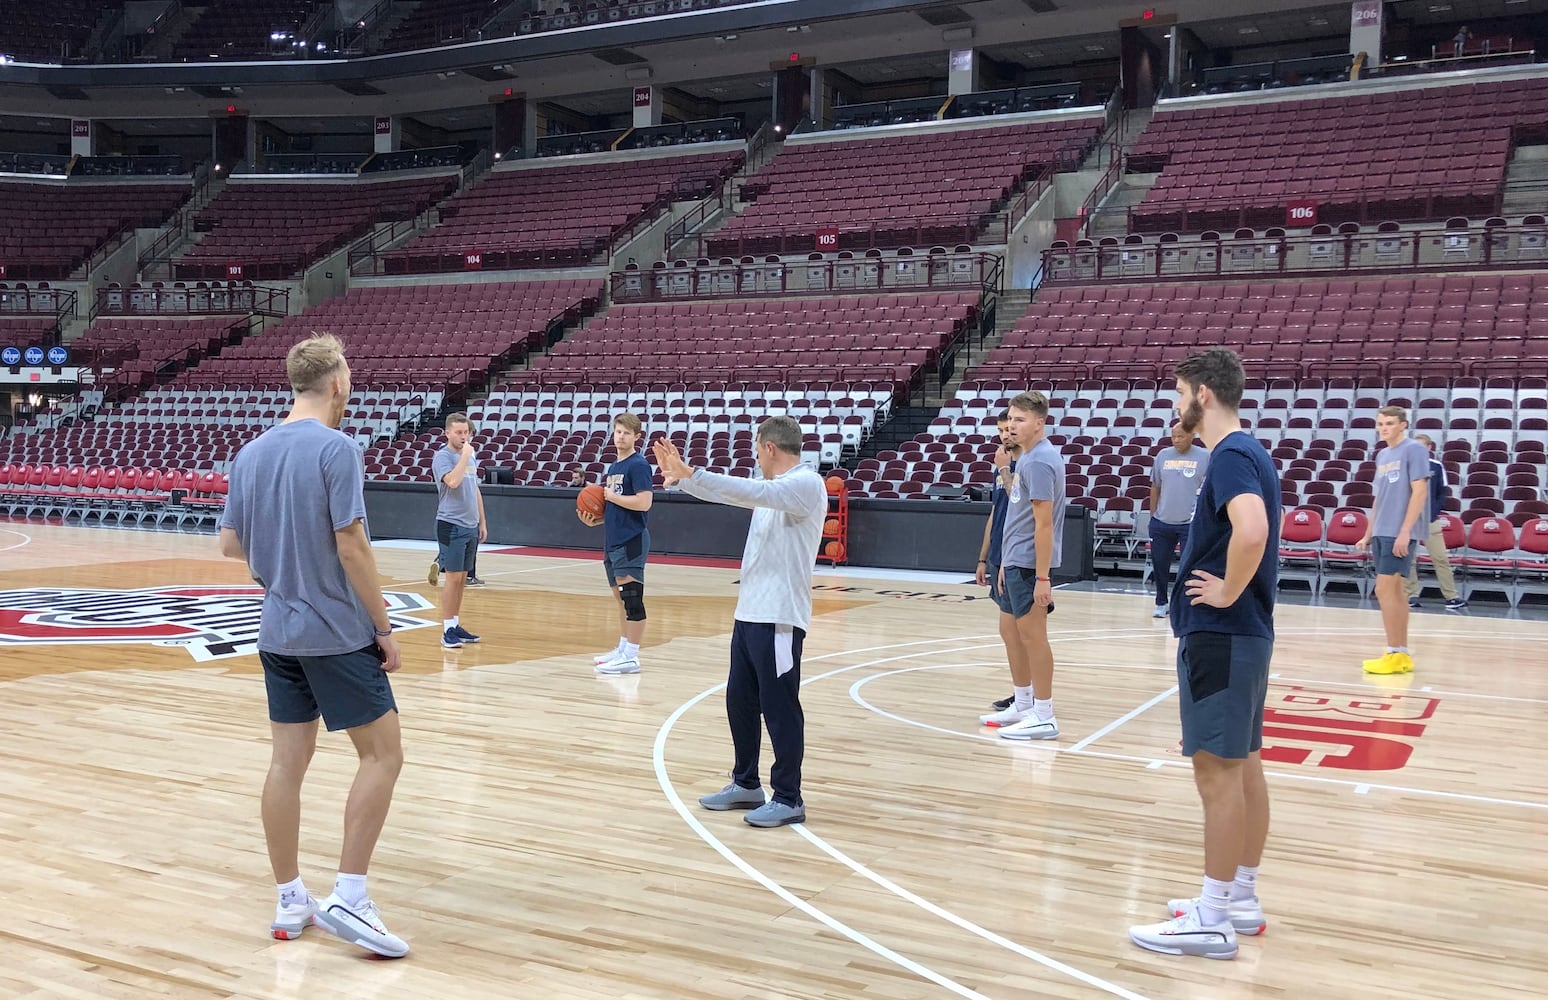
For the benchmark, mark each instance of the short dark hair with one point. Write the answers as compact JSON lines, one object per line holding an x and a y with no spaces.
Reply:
{"x":1004,"y":415}
{"x":783,"y":433}
{"x":1219,"y":369}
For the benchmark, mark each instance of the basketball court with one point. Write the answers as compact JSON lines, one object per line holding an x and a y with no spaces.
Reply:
{"x":545,"y":841}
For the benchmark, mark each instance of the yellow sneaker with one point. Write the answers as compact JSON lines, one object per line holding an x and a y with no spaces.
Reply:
{"x":1392,"y":663}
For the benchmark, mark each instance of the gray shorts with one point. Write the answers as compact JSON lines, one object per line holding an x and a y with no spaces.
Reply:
{"x":1019,"y":584}
{"x":1222,"y":682}
{"x":459,"y":544}
{"x":1388,"y":564}
{"x":995,"y":594}
{"x":627,"y":559}
{"x":348,"y":690}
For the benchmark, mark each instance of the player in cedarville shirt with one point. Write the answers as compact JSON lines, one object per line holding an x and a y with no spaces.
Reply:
{"x":626,"y":543}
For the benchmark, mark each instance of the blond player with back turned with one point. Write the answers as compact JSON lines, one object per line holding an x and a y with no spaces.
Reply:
{"x":296,"y":515}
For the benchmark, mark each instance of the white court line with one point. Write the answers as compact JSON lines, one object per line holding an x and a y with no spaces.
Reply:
{"x":26,"y":539}
{"x":1151,"y":762}
{"x":1427,"y":689}
{"x":1121,"y":720}
{"x":659,"y":759}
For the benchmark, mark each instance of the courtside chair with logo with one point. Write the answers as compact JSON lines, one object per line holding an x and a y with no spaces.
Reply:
{"x":1490,"y":559}
{"x":1300,"y":548}
{"x":1532,"y":566}
{"x":1341,"y":561}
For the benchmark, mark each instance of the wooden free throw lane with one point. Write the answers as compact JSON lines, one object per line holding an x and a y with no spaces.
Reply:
{"x":536,"y":847}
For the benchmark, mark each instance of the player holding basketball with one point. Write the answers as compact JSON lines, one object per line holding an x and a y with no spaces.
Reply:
{"x":296,"y":515}
{"x":1224,"y":622}
{"x":1032,"y":547}
{"x":625,"y":543}
{"x":773,"y":610}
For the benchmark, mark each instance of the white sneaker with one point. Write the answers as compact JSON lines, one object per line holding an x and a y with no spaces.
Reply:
{"x":361,"y":924}
{"x":1246,"y":914}
{"x":621,"y":666}
{"x":1031,"y":728}
{"x":613,"y":654}
{"x":290,"y":921}
{"x":1184,"y":935}
{"x":1160,"y":611}
{"x":1004,"y":717}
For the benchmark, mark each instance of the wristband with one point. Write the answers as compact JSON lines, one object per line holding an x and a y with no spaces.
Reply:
{"x":1042,"y":579}
{"x":381,"y":633}
{"x":983,"y":562}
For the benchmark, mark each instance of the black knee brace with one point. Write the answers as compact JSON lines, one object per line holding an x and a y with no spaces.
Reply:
{"x":633,"y":594}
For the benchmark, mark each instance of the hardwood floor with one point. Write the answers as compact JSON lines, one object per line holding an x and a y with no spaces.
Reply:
{"x":545,"y":841}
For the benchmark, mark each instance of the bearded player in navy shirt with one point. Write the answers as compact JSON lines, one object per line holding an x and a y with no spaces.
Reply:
{"x":1222,"y":610}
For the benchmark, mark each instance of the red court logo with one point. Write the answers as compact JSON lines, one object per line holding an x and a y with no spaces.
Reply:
{"x":211,"y":623}
{"x":1354,"y":731}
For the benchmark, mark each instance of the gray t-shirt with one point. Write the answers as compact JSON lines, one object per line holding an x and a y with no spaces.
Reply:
{"x":460,"y":505}
{"x":1396,"y":470}
{"x":1180,"y":477}
{"x":291,"y":489}
{"x":1039,"y":476}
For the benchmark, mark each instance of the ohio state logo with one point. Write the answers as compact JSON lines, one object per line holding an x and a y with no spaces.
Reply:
{"x":211,"y":623}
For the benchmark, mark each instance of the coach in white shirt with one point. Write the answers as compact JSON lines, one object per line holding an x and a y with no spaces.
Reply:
{"x":773,"y":611}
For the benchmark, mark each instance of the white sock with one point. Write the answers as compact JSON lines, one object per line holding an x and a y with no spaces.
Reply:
{"x":1214,"y":902}
{"x":1400,"y":649}
{"x":350,"y":888}
{"x":1023,"y":698}
{"x":1246,"y":884}
{"x":292,"y":893}
{"x":622,"y":645}
{"x":1043,"y":710}
{"x":629,"y":650}
{"x":451,"y":622}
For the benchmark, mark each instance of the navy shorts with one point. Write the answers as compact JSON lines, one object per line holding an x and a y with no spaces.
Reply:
{"x":1222,"y":682}
{"x":459,"y":545}
{"x":348,"y":690}
{"x":1388,"y":564}
{"x":995,"y":594}
{"x":627,"y":559}
{"x":1019,"y":583}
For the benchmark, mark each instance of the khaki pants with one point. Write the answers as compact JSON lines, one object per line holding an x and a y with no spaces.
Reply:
{"x":1435,"y":545}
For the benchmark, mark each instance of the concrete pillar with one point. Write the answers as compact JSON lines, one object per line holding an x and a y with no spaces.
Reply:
{"x":83,"y":137}
{"x":647,"y":106}
{"x":389,"y":134}
{"x":1366,"y":23}
{"x":962,"y":77}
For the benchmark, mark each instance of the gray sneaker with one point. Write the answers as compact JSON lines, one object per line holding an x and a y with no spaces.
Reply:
{"x":733,"y":796}
{"x":775,"y":814}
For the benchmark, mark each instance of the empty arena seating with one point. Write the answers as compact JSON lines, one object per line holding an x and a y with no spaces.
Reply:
{"x":890,"y":339}
{"x":135,"y":348}
{"x":580,"y":13}
{"x":939,"y":187}
{"x":540,"y":433}
{"x":276,"y":229}
{"x":49,"y":230}
{"x":444,"y":22}
{"x":435,"y":335}
{"x":1476,"y":325}
{"x":559,"y":215}
{"x":1406,"y":155}
{"x":52,"y":32}
{"x":30,"y":332}
{"x":234,"y":29}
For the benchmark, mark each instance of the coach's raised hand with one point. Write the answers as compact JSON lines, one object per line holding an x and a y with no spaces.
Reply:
{"x":670,"y":461}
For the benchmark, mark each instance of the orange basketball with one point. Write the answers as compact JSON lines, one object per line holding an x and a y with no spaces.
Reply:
{"x":590,"y":501}
{"x":834,"y":551}
{"x":830,"y":527}
{"x":835,"y":485}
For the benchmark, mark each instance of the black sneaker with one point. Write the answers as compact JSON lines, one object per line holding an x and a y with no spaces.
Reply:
{"x":1413,"y":602}
{"x":473,"y":581}
{"x":463,"y":634}
{"x":1456,"y":604}
{"x":1004,"y":703}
